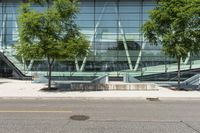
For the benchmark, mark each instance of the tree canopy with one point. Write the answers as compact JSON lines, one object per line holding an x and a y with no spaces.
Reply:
{"x":175,"y":24}
{"x":51,"y":34}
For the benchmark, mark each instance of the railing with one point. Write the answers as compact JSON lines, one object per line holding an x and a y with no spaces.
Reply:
{"x":194,"y":80}
{"x":18,"y":72}
{"x":145,"y":71}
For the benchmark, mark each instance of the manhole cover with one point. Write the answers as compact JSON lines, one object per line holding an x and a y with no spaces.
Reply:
{"x":153,"y":98}
{"x":79,"y":117}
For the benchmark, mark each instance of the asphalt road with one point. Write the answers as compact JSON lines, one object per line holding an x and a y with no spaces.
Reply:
{"x":105,"y":116}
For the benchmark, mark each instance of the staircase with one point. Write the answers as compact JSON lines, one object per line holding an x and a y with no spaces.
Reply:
{"x":15,"y":65}
{"x":16,"y":62}
{"x":192,"y":82}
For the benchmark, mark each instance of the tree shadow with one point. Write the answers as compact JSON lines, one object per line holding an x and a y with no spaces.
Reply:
{"x":3,"y":82}
{"x":185,"y":88}
{"x":54,"y":89}
{"x":78,"y":88}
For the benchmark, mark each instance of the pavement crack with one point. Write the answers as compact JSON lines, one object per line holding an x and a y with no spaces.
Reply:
{"x":188,"y":125}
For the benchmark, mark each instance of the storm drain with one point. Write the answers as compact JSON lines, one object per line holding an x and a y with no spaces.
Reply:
{"x":152,"y":99}
{"x":79,"y":117}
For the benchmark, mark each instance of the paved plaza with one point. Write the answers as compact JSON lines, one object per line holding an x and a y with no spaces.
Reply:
{"x":26,"y":89}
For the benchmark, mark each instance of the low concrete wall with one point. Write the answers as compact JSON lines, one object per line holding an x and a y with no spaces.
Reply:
{"x":101,"y":80}
{"x":113,"y":86}
{"x":89,"y":87}
{"x":134,"y":86}
{"x":129,"y":79}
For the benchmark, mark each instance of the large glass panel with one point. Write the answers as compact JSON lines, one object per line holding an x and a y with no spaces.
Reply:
{"x":113,"y":28}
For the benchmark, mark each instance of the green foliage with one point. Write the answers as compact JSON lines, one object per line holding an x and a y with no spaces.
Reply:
{"x":52,"y":33}
{"x":176,"y":25}
{"x":41,"y":2}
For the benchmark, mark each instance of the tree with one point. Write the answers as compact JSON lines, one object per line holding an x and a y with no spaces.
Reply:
{"x":51,"y":34}
{"x":175,"y":24}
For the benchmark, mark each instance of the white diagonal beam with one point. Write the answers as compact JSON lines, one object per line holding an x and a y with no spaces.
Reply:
{"x":76,"y":64}
{"x":125,"y":46}
{"x":187,"y":59}
{"x":140,"y":55}
{"x":124,"y":40}
{"x":94,"y":36}
{"x":30,"y":65}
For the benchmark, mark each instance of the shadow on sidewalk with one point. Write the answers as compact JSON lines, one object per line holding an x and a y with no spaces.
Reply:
{"x":3,"y":82}
{"x":185,"y":88}
{"x":54,"y":89}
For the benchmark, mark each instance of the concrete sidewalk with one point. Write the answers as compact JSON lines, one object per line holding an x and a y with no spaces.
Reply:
{"x":26,"y":89}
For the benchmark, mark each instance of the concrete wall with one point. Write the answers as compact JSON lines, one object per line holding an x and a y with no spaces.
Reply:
{"x":114,"y":86}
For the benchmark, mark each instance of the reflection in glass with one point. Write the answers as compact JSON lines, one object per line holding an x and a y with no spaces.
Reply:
{"x":111,"y":26}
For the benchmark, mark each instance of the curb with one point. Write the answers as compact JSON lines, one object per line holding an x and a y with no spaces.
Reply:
{"x":102,"y":98}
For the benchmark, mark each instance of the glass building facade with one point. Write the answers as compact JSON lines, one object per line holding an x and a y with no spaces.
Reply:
{"x":113,"y":28}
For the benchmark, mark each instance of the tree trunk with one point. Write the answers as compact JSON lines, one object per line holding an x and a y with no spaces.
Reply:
{"x":48,"y":3}
{"x":50,"y":63}
{"x":179,"y":72}
{"x":49,"y":78}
